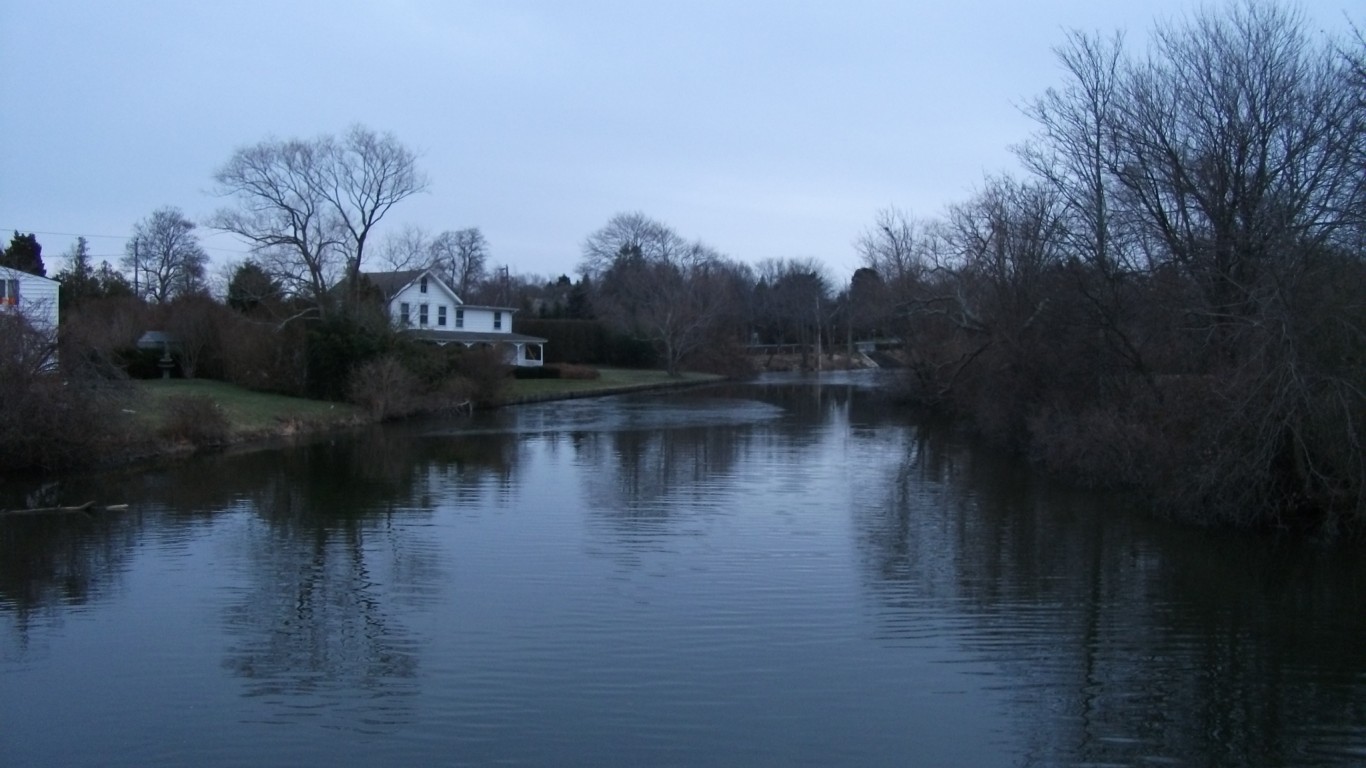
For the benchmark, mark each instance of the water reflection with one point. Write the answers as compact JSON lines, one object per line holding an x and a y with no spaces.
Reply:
{"x":1133,"y":641}
{"x":53,"y":561}
{"x":674,"y":575}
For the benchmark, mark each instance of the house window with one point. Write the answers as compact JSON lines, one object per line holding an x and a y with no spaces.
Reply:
{"x":421,"y":314}
{"x":441,"y":315}
{"x":9,"y":292}
{"x":422,"y":286}
{"x":404,"y":319}
{"x":459,"y":318}
{"x":497,"y":321}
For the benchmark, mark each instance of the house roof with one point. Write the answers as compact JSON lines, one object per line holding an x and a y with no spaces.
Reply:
{"x":11,"y":273}
{"x":471,"y":337}
{"x":390,"y":283}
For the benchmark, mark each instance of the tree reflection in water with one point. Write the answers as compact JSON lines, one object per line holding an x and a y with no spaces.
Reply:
{"x":1109,"y":638}
{"x":1134,"y":640}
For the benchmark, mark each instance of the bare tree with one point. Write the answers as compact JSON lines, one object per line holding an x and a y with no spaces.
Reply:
{"x":1074,"y":155}
{"x":1073,"y":152}
{"x":368,"y":174}
{"x":656,"y":285}
{"x":1234,"y":143}
{"x":793,"y":305}
{"x":1174,"y":297}
{"x":406,"y":249}
{"x":894,"y":246}
{"x":309,"y":207}
{"x":1237,"y":146}
{"x":165,"y":256}
{"x":193,"y":321}
{"x":460,"y":257}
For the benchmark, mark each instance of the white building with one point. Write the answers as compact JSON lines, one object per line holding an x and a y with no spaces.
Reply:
{"x":34,"y":297}
{"x":421,"y":304}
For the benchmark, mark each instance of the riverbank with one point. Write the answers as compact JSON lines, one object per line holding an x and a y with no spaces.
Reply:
{"x":250,"y":416}
{"x":146,"y":420}
{"x":610,"y":381}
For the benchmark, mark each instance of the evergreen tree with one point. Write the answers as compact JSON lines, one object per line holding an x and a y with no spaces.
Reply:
{"x":78,"y":279}
{"x":24,"y":254}
{"x":580,"y":305}
{"x":251,"y":287}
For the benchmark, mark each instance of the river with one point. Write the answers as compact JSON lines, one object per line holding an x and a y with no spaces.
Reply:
{"x":781,"y":573}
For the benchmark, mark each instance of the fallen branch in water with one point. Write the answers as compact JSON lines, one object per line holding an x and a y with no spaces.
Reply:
{"x":86,"y":508}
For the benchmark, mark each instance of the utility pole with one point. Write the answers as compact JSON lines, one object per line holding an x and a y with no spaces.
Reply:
{"x":818,"y":332}
{"x":137,"y":262}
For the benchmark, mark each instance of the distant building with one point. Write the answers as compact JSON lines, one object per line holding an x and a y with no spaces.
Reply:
{"x":421,"y":305}
{"x":34,"y":297}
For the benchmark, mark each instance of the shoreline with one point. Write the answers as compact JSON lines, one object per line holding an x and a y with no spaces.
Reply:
{"x":260,"y":421}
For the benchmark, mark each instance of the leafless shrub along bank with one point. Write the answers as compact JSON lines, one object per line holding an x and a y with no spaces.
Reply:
{"x":1174,"y":297}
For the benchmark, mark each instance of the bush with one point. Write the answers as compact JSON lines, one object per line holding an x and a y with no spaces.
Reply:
{"x":195,"y":419}
{"x":259,"y":356}
{"x":338,"y":345}
{"x":385,"y":388}
{"x":50,"y":423}
{"x":725,"y":358}
{"x":486,"y":375}
{"x":540,"y":372}
{"x":97,"y":336}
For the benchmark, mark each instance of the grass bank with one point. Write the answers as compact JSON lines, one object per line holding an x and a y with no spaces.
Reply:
{"x":252,"y":415}
{"x":249,"y":414}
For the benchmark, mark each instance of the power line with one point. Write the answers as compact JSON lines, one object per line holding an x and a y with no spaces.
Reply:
{"x":62,"y":234}
{"x":117,"y":237}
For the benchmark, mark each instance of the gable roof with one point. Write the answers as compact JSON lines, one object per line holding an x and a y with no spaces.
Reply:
{"x":390,"y":283}
{"x":10,"y":273}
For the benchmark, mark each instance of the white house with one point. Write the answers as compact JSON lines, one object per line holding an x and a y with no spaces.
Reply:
{"x":32,"y":296}
{"x":423,"y":305}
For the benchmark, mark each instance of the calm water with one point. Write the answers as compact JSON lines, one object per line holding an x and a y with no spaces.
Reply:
{"x":781,"y":574}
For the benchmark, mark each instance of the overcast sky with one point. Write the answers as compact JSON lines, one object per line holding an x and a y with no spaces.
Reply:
{"x":766,"y":129}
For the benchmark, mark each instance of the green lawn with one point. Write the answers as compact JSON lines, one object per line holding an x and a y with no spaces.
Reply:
{"x":247,"y":412}
{"x":257,"y":413}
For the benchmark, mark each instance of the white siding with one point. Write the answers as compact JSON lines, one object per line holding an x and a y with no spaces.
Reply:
{"x":459,"y":316}
{"x":480,"y":320}
{"x":38,"y":297}
{"x":435,"y":297}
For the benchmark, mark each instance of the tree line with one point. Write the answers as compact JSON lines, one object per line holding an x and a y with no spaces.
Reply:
{"x":1172,"y":296}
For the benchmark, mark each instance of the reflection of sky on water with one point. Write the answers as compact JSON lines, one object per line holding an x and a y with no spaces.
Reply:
{"x":766,"y":573}
{"x":615,"y":414}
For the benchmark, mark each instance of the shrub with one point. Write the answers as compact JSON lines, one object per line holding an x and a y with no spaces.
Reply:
{"x":486,"y":373}
{"x":540,"y":372}
{"x":385,"y":388}
{"x":338,"y":345}
{"x":723,"y":357}
{"x":263,"y":357}
{"x":50,"y":423}
{"x":195,"y":419}
{"x":97,"y":335}
{"x":197,"y":324}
